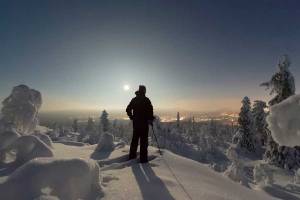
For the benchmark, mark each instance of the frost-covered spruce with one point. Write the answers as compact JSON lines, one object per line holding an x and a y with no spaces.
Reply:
{"x":283,"y":85}
{"x":90,"y":130}
{"x":259,"y":121}
{"x":282,"y":82}
{"x":104,"y":122}
{"x":244,"y":137}
{"x":20,"y":109}
{"x":236,"y":173}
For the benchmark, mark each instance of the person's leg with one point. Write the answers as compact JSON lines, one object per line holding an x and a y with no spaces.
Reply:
{"x":134,"y":143}
{"x":144,"y":144}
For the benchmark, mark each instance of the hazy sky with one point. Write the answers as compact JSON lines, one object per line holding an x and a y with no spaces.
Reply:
{"x":192,"y":55}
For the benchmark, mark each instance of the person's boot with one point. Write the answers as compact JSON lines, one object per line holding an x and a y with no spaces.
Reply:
{"x":144,"y":160}
{"x":131,"y":157}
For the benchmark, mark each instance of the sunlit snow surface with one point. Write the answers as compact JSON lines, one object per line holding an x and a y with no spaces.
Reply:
{"x":123,"y":179}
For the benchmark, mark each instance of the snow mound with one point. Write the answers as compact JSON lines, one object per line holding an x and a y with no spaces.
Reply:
{"x":20,"y":109}
{"x":106,"y":143}
{"x":45,"y":138}
{"x":30,"y":147}
{"x":284,"y":121}
{"x":65,"y":178}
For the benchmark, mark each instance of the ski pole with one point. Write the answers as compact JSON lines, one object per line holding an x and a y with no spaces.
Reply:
{"x":170,"y":169}
{"x":156,"y":140}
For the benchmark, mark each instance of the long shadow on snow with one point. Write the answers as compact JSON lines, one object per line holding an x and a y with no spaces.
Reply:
{"x":100,"y":155}
{"x":151,"y":186}
{"x":119,"y":159}
{"x":281,"y":192}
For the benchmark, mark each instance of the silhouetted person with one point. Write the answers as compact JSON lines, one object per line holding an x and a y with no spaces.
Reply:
{"x":140,"y":111}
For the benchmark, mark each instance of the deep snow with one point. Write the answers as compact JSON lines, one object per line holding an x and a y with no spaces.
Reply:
{"x":123,"y":179}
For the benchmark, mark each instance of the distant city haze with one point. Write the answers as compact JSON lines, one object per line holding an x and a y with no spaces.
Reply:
{"x":192,"y":55}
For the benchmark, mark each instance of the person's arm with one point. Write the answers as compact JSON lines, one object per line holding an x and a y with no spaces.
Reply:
{"x":129,"y":110}
{"x":150,"y":111}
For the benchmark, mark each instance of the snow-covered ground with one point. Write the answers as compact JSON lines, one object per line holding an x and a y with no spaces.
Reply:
{"x":124,"y":179}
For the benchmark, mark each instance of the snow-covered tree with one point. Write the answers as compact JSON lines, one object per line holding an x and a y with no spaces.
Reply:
{"x":104,"y":122}
{"x":75,"y":125}
{"x":90,"y":130}
{"x":282,"y":82}
{"x":213,"y":128}
{"x":178,"y":119}
{"x":236,"y":171}
{"x":283,"y":85}
{"x":260,"y":124}
{"x":20,"y":110}
{"x":244,"y":137}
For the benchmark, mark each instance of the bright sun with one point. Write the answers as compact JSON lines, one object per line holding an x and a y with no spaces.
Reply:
{"x":126,"y":87}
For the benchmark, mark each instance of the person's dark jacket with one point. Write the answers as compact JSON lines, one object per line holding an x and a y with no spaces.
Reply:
{"x":140,"y":108}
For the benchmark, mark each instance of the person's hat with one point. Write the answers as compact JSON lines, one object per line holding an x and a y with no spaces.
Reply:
{"x":142,"y":90}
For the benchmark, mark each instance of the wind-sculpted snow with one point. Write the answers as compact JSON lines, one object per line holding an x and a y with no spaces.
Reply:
{"x":284,"y":121}
{"x":20,"y":109}
{"x":45,"y":138}
{"x":66,"y":179}
{"x":30,"y":147}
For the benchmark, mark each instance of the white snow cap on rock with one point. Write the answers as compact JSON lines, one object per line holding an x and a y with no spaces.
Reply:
{"x":284,"y":121}
{"x":20,"y":109}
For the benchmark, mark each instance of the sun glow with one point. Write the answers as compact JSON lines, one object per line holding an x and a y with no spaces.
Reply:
{"x":126,"y":87}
